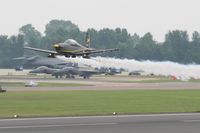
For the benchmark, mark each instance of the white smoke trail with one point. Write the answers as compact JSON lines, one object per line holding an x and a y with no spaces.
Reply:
{"x":165,"y":68}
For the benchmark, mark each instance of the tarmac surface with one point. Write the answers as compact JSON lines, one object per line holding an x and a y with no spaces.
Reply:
{"x":116,"y":86}
{"x":161,"y":123}
{"x":99,"y":83}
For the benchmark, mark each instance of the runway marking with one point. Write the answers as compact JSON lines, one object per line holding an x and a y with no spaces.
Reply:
{"x":66,"y":125}
{"x":191,"y":121}
{"x":92,"y":117}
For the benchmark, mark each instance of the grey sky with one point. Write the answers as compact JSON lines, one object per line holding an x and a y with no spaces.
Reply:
{"x":140,"y":16}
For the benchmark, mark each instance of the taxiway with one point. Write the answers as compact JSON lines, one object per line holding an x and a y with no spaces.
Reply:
{"x":155,"y":123}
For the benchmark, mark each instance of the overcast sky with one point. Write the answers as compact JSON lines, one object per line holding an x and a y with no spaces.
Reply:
{"x":137,"y":16}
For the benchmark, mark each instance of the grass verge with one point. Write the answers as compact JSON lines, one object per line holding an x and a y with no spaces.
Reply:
{"x":73,"y":103}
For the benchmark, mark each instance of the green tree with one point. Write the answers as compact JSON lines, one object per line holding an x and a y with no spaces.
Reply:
{"x":31,"y":36}
{"x":194,"y":49}
{"x":179,"y":43}
{"x":57,"y":31}
{"x":196,"y":38}
{"x":146,"y":47}
{"x":4,"y":51}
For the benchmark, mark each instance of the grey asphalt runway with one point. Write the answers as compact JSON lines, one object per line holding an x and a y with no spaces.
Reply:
{"x":99,"y":83}
{"x":156,"y":123}
{"x":95,"y":85}
{"x":114,"y":86}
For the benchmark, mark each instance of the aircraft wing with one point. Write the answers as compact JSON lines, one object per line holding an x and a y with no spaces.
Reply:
{"x":41,"y":50}
{"x":19,"y":58}
{"x":96,"y":51}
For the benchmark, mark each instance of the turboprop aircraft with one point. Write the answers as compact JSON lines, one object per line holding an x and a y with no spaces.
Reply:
{"x":71,"y":48}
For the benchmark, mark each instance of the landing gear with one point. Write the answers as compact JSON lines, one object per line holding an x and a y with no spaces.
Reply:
{"x":51,"y":55}
{"x":73,"y":56}
{"x":86,"y":56}
{"x":58,"y":76}
{"x":85,"y":77}
{"x":67,"y":56}
{"x":70,"y":76}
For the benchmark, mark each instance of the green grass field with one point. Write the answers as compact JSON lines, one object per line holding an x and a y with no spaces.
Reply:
{"x":72,"y":103}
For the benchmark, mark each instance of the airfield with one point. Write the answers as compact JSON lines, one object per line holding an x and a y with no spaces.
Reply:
{"x":103,"y":103}
{"x":99,"y":82}
{"x":121,"y":88}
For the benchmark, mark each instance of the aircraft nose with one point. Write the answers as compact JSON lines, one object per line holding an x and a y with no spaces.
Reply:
{"x":56,"y":46}
{"x":32,"y":71}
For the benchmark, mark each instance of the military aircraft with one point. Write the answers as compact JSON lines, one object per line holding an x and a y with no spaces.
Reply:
{"x":31,"y":59}
{"x":44,"y":69}
{"x":68,"y":71}
{"x":47,"y":70}
{"x":71,"y":48}
{"x":82,"y":71}
{"x":110,"y":70}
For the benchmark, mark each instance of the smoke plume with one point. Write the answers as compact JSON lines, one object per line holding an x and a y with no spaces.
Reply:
{"x":165,"y":68}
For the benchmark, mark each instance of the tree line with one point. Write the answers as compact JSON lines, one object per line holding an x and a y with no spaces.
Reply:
{"x":176,"y":47}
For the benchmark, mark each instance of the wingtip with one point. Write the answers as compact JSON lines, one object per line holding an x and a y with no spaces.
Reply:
{"x":116,"y":49}
{"x":25,"y":47}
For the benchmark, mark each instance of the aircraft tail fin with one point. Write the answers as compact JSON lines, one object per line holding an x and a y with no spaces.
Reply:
{"x":87,"y":40}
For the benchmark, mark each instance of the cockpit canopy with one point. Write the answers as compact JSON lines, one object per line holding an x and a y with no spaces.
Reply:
{"x":42,"y":68}
{"x":72,"y":42}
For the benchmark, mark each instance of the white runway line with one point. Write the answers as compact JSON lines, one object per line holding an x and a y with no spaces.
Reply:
{"x":94,"y":117}
{"x":48,"y":126}
{"x":191,"y":121}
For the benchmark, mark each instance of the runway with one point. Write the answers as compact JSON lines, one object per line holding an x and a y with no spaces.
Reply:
{"x":156,"y":123}
{"x":100,"y":83}
{"x":93,"y":85}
